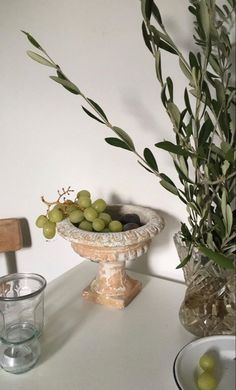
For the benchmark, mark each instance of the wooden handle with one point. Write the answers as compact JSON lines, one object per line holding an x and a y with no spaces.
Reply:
{"x":10,"y":235}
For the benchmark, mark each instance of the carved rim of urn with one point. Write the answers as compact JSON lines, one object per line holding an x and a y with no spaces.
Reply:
{"x":112,"y":247}
{"x":152,"y":224}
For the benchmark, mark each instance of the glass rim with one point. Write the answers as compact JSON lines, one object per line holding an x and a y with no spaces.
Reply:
{"x":18,"y":276}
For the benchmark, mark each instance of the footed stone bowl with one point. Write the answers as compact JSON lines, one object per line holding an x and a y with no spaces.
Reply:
{"x":112,"y":286}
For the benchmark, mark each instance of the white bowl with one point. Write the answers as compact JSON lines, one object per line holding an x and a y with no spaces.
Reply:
{"x":186,"y":365}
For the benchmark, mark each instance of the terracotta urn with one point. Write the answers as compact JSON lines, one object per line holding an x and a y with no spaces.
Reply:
{"x":112,"y":286}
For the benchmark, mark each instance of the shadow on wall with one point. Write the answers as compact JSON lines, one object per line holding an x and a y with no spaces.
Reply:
{"x":11,"y":257}
{"x":163,"y":239}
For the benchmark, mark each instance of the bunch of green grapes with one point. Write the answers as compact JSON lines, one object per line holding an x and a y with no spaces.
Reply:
{"x":206,"y":380}
{"x":82,"y":212}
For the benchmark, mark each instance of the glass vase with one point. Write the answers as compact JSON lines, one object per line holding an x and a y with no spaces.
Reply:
{"x":209,"y":305}
{"x":21,"y":320}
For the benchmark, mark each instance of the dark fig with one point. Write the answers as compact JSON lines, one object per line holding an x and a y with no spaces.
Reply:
{"x":130,"y":218}
{"x":130,"y":226}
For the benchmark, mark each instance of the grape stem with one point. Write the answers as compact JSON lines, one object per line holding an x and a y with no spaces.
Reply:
{"x":61,"y":195}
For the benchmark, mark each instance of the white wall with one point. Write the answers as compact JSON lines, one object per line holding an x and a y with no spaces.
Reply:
{"x":48,"y":142}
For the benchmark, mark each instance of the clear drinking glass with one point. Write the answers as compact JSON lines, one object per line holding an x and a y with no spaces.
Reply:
{"x":21,"y":320}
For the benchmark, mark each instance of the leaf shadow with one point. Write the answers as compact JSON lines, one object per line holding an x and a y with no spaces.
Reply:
{"x":162,"y":241}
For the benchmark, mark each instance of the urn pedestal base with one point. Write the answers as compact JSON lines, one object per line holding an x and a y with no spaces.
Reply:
{"x":112,"y":286}
{"x":119,"y":302}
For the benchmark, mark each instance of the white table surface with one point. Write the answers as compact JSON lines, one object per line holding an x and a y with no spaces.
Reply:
{"x":86,"y":346}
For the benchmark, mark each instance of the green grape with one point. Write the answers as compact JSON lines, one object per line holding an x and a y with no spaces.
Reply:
{"x":115,"y":226}
{"x":76,"y":216}
{"x":66,"y":204}
{"x":85,"y":225}
{"x":71,"y":208}
{"x":98,"y":224}
{"x":55,"y":215}
{"x":105,"y":230}
{"x":206,"y":381}
{"x":99,"y":205}
{"x":90,"y":214}
{"x":207,"y":362}
{"x":83,"y":193}
{"x":84,"y":202}
{"x":59,"y":206}
{"x":49,"y":229}
{"x":40,"y":221}
{"x":106,"y":218}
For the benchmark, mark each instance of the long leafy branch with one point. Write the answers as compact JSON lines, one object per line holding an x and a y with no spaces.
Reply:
{"x":209,"y":195}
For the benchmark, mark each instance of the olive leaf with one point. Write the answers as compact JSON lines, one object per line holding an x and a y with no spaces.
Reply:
{"x":231,"y":98}
{"x":219,"y":226}
{"x":215,"y":149}
{"x":225,"y":146}
{"x":193,"y":60}
{"x":225,"y":166}
{"x":230,"y":155}
{"x":185,"y":69}
{"x":38,"y":58}
{"x":98,"y":108}
{"x":163,"y":95}
{"x":165,"y":46}
{"x":146,"y":7}
{"x":210,"y":241}
{"x":169,"y":85}
{"x":32,"y":40}
{"x":229,"y":218}
{"x":124,"y":136}
{"x":174,"y":113}
{"x":205,"y":131}
{"x":185,"y":231}
{"x":61,"y":75}
{"x":158,"y":65}
{"x":187,"y":102}
{"x":220,"y":92}
{"x":169,"y":187}
{"x":194,"y":207}
{"x":172,"y":148}
{"x":189,"y":130}
{"x":183,"y":177}
{"x":117,"y":142}
{"x":67,"y":84}
{"x":92,"y":115}
{"x":184,"y":261}
{"x":217,"y":257}
{"x":227,"y":11}
{"x":168,"y":184}
{"x":149,"y":157}
{"x":162,"y":41}
{"x":214,"y":64}
{"x":146,"y":37}
{"x":162,"y":36}
{"x":156,"y":14}
{"x":227,"y":213}
{"x":204,"y":17}
{"x":183,"y":166}
{"x":224,"y":203}
{"x":195,"y":93}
